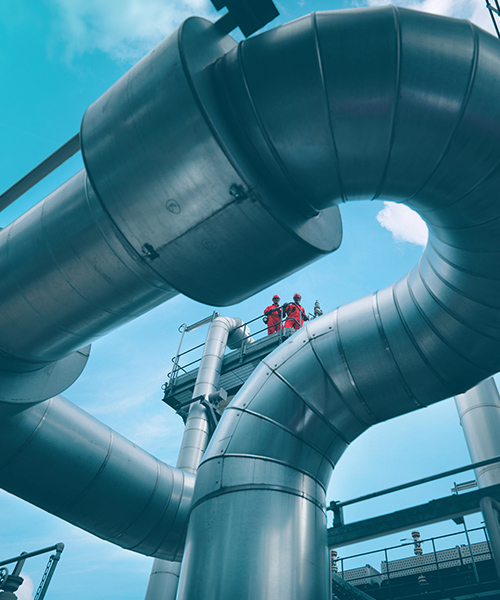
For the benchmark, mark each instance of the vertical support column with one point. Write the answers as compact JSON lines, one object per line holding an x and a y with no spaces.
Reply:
{"x":164,"y":577}
{"x":479,"y":412}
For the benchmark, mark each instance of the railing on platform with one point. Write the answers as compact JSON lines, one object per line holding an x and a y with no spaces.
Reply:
{"x":10,"y":582}
{"x":443,"y":570}
{"x":179,"y":366}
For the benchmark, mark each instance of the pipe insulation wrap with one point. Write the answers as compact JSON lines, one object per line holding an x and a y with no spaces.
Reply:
{"x":61,"y":459}
{"x":161,"y":207}
{"x":221,"y":229}
{"x":67,"y":277}
{"x":479,"y":413}
{"x":164,"y":578}
{"x":379,"y":103}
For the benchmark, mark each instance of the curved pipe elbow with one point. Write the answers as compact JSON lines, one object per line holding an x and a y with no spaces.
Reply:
{"x":110,"y":487}
{"x":392,"y":128}
{"x":410,"y":115}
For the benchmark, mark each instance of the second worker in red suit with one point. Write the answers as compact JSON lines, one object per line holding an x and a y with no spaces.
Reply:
{"x":273,"y":314}
{"x":295,"y":313}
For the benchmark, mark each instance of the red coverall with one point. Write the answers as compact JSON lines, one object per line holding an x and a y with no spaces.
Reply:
{"x":273,"y":314}
{"x":296,"y":315}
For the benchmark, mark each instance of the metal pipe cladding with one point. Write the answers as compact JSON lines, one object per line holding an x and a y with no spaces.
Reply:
{"x":378,"y":103}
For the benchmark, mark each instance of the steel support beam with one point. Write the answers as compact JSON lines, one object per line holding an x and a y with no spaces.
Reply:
{"x":51,"y":163}
{"x":434,"y":511}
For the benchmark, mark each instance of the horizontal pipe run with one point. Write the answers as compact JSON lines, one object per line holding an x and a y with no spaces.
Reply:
{"x":110,"y":487}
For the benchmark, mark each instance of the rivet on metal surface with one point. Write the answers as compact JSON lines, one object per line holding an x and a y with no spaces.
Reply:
{"x":238,"y":192}
{"x":149,"y":252}
{"x":173,"y":206}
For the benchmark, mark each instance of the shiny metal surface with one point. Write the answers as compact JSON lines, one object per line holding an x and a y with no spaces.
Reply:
{"x":58,"y":457}
{"x":282,"y":128}
{"x":161,"y":207}
{"x":67,"y":276}
{"x":164,"y":576}
{"x":163,"y":580}
{"x":45,"y":382}
{"x":410,"y":114}
{"x":197,"y":432}
{"x":203,"y":202}
{"x":479,"y":412}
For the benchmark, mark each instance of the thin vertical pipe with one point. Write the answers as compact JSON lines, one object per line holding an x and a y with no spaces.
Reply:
{"x":474,"y":567}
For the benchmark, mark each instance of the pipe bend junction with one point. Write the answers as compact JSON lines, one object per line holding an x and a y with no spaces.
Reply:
{"x":411,"y":114}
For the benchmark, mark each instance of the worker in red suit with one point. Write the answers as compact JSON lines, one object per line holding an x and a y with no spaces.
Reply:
{"x":273,"y":315}
{"x":295,"y":313}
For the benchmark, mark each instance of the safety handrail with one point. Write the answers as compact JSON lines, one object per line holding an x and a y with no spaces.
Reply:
{"x":389,"y":571}
{"x":177,"y":367}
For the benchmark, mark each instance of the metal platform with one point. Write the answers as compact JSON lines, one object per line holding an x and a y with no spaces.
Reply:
{"x":237,"y":368}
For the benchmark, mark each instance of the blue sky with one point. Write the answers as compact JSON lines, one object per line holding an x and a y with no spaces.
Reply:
{"x":57,"y":57}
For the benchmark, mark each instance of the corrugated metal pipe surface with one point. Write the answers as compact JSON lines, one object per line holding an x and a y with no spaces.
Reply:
{"x":169,"y":201}
{"x":61,"y":459}
{"x":380,"y":103}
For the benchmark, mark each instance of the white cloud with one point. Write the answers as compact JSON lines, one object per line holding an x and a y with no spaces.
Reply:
{"x":472,"y":10}
{"x":25,"y":592}
{"x":404,"y":224}
{"x":124,"y":29}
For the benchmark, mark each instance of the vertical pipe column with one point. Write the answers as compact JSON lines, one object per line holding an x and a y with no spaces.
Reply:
{"x":479,"y":412}
{"x":164,"y":577}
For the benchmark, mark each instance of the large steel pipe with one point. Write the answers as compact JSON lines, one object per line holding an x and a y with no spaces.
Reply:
{"x":164,"y":576}
{"x":479,"y":412}
{"x":380,"y":103}
{"x":170,"y":201}
{"x":61,"y":459}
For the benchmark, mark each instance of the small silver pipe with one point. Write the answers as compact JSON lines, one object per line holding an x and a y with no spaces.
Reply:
{"x":163,"y":580}
{"x":197,"y":432}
